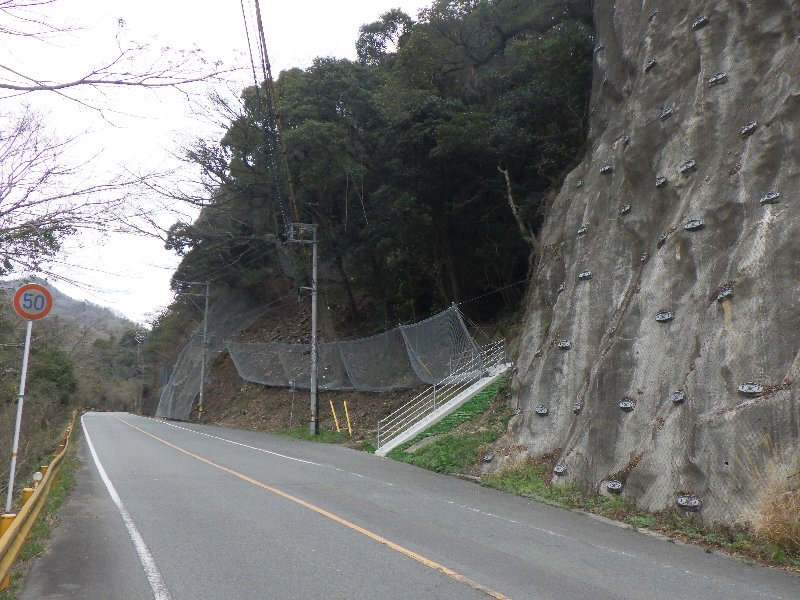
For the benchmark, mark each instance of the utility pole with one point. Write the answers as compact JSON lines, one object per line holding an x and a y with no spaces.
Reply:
{"x":306,"y":233}
{"x":141,"y":340}
{"x":205,"y":352}
{"x":314,"y":424}
{"x":207,"y":292}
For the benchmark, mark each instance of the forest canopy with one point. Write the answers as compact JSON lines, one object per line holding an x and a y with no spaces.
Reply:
{"x":427,"y":162}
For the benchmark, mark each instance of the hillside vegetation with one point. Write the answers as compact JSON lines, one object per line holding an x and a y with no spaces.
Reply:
{"x":398,"y":157}
{"x":82,"y":355}
{"x":427,"y":164}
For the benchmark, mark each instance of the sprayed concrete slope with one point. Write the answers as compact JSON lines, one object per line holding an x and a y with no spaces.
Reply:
{"x":648,"y":119}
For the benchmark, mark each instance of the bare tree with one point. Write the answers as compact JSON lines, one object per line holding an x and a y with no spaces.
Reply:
{"x":45,"y":194}
{"x":134,"y":64}
{"x":45,"y":198}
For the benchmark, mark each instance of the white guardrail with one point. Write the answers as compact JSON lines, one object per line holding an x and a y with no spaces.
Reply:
{"x":467,"y":371}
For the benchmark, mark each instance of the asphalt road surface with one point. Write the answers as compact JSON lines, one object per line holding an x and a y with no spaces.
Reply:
{"x":188,"y":512}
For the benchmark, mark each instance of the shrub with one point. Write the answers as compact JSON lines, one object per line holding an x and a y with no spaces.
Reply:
{"x":776,"y":515}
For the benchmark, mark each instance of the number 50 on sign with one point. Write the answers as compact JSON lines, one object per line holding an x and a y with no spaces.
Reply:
{"x":32,"y":301}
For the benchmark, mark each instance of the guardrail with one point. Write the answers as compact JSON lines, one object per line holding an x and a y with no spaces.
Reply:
{"x":14,"y":528}
{"x":428,"y":401}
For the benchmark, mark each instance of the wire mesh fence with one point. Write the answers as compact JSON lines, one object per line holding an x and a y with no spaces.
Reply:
{"x":226,"y":317}
{"x":426,"y":352}
{"x":400,"y":358}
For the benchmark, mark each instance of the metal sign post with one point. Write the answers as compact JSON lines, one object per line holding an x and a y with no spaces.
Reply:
{"x":32,"y":302}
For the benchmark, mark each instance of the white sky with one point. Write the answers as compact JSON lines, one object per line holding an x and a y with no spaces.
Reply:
{"x":140,"y":129}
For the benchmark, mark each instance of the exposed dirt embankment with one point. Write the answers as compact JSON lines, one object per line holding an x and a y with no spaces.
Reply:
{"x":674,"y":270}
{"x":231,"y":401}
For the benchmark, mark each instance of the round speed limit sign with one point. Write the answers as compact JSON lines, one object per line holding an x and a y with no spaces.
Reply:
{"x":32,"y":301}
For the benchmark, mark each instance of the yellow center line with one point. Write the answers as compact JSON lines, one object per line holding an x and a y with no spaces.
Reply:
{"x":374,"y":536}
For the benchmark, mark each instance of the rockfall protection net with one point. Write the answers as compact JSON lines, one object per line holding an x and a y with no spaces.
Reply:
{"x":226,"y":317}
{"x":425,"y":352}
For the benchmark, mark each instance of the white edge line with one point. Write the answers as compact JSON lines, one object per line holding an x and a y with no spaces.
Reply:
{"x":222,"y":439}
{"x":160,"y":591}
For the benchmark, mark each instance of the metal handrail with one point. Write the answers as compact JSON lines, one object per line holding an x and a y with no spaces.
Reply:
{"x":469,"y":374}
{"x":426,"y":402}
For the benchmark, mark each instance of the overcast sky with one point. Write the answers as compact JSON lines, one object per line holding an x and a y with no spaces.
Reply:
{"x":140,"y":130}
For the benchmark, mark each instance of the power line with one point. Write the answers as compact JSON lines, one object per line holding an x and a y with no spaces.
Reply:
{"x":510,"y":285}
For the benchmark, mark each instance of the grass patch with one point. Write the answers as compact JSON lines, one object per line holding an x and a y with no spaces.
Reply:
{"x":532,"y":480}
{"x":323,"y":437}
{"x":11,"y":592}
{"x":638,"y":521}
{"x":776,"y":516}
{"x":450,"y":454}
{"x":453,"y":452}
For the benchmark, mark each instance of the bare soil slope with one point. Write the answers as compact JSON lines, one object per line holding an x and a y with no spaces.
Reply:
{"x":233,"y":402}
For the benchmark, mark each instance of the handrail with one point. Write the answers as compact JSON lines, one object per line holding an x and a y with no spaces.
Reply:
{"x":429,"y":400}
{"x":14,"y":537}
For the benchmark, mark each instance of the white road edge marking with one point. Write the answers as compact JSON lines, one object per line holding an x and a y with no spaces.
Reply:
{"x":160,"y":591}
{"x":222,"y":439}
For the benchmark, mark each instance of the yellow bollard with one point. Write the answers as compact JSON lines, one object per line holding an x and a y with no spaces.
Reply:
{"x":43,"y":470}
{"x":347,"y":414}
{"x":26,"y":495}
{"x":335,"y":419}
{"x":5,"y":522}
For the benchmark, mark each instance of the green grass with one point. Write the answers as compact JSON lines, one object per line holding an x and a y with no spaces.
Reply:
{"x":638,"y":521}
{"x":323,"y":437}
{"x":453,"y":453}
{"x":13,"y":588}
{"x":450,"y":454}
{"x":532,"y":480}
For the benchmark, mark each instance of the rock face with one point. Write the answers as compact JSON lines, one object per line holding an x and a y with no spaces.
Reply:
{"x":685,"y":284}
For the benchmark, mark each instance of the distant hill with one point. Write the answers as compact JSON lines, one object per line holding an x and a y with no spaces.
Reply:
{"x":93,"y":317}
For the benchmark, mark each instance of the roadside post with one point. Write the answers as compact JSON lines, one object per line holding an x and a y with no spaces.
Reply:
{"x":32,"y":302}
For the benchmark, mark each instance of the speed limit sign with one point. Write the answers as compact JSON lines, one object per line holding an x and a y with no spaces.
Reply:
{"x":32,"y":301}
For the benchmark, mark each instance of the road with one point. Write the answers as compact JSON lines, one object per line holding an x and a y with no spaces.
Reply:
{"x":173,"y":511}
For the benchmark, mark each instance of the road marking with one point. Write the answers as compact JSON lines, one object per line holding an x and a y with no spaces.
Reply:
{"x":160,"y":591}
{"x":222,"y":439}
{"x":373,"y":536}
{"x":331,"y":467}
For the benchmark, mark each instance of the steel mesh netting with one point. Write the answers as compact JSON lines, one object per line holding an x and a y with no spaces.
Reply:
{"x":435,"y":343}
{"x":404,"y":357}
{"x":331,"y":374}
{"x":378,"y":363}
{"x":259,"y":363}
{"x":226,"y":317}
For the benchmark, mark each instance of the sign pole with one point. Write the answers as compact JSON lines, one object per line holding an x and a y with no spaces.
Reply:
{"x":20,"y":402}
{"x":32,"y":302}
